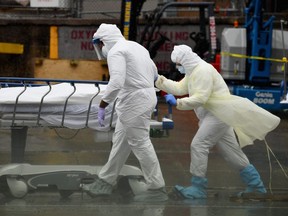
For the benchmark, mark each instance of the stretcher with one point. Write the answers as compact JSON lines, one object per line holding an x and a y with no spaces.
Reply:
{"x":29,"y":102}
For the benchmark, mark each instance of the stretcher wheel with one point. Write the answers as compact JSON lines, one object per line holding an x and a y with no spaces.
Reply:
{"x":17,"y":187}
{"x":65,"y":193}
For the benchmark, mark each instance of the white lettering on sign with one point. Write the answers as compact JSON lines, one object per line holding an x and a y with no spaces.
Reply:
{"x":264,"y":94}
{"x":263,"y":98}
{"x":213,"y":36}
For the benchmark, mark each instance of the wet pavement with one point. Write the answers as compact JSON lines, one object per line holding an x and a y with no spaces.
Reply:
{"x":47,"y":204}
{"x":59,"y":147}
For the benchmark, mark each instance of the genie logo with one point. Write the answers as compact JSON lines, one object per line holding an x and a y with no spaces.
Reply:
{"x":263,"y":98}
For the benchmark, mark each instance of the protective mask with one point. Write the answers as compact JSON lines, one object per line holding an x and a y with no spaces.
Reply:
{"x":97,"y":47}
{"x":181,"y":69}
{"x":105,"y":51}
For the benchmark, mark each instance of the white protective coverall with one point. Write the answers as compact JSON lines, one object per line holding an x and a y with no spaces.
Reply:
{"x":132,"y":74}
{"x":218,"y":111}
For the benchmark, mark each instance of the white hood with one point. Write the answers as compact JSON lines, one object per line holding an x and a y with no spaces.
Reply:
{"x":184,"y":55}
{"x":109,"y":34}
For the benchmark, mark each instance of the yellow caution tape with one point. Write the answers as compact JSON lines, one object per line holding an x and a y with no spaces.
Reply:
{"x":11,"y":48}
{"x":283,"y":60}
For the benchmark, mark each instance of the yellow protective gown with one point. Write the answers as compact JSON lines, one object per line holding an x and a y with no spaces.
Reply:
{"x":206,"y":88}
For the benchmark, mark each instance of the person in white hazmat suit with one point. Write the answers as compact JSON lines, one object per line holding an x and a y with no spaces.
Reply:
{"x":132,"y":76}
{"x":219,"y":113}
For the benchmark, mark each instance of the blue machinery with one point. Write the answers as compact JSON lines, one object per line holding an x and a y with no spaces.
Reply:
{"x":250,"y":70}
{"x":259,"y":42}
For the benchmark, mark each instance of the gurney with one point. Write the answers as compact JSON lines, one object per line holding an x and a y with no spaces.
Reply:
{"x":53,"y":103}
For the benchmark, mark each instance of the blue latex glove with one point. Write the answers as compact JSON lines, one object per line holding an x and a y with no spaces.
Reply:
{"x":170,"y":99}
{"x":101,"y":116}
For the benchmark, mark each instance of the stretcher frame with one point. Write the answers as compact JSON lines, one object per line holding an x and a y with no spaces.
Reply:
{"x":19,"y":178}
{"x":19,"y":123}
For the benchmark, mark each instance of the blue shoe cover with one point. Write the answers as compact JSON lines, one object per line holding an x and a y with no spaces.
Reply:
{"x":251,"y":178}
{"x":196,"y":191}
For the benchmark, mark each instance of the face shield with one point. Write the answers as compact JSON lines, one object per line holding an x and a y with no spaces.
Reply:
{"x":98,"y":48}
